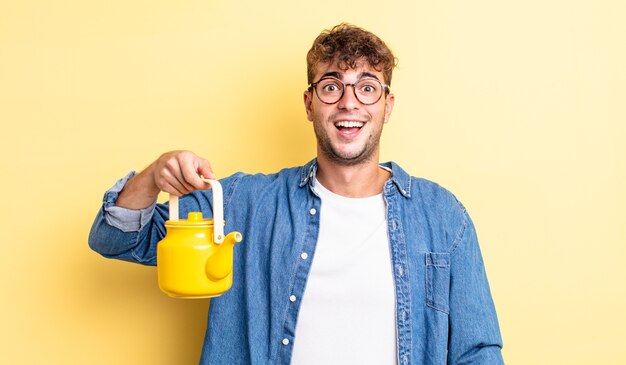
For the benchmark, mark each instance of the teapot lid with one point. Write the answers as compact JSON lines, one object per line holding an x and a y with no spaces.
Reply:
{"x":194,"y":219}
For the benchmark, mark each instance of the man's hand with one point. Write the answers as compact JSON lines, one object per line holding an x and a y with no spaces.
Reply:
{"x":175,"y":172}
{"x":178,"y":172}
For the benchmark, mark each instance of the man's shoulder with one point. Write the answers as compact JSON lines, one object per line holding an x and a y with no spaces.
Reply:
{"x":438,"y":208}
{"x":423,"y":191}
{"x":246,"y":181}
{"x":434,"y":195}
{"x":430,"y":189}
{"x":436,"y":205}
{"x":284,"y":173}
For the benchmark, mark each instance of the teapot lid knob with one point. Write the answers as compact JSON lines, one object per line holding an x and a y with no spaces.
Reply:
{"x":194,"y":216}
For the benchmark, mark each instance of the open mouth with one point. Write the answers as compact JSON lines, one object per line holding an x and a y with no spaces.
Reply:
{"x":349,"y":128}
{"x":345,"y":124}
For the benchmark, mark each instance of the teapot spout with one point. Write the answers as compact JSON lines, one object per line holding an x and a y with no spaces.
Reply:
{"x":220,"y":264}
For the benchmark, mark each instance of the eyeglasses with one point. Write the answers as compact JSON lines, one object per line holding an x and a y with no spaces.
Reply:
{"x":330,"y":90}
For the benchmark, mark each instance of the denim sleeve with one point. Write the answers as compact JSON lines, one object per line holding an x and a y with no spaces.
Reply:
{"x":127,"y":220}
{"x":474,"y":331}
{"x":125,"y":234}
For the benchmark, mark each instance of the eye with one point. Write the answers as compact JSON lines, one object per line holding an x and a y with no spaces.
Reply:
{"x":330,"y":86}
{"x":368,"y":87}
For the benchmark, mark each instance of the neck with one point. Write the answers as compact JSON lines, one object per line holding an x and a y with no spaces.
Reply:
{"x":357,"y":181}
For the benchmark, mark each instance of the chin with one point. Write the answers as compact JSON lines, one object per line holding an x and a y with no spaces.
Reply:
{"x":350,"y":159}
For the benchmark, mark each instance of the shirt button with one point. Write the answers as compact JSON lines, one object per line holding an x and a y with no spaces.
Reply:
{"x":400,"y":270}
{"x":312,"y":211}
{"x":304,"y":255}
{"x":285,"y":341}
{"x":292,"y":298}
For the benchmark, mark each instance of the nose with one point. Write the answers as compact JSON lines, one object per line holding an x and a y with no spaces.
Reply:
{"x":348,"y":99}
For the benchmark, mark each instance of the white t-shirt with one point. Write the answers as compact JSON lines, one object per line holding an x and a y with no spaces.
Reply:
{"x":347,"y":314}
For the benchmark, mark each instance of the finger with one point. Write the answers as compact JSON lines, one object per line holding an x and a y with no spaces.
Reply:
{"x":205,"y":169}
{"x":166,"y":187}
{"x":170,"y":184}
{"x":191,"y":174}
{"x":188,"y":188}
{"x":192,"y":168}
{"x":173,"y":167}
{"x":172,"y":190}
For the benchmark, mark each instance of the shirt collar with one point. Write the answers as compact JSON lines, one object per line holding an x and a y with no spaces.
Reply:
{"x":399,"y":177}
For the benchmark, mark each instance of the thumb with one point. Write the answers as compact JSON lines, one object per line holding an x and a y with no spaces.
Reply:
{"x":205,"y":170}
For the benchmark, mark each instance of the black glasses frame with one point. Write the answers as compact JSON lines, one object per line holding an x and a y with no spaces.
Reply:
{"x":385,"y":89}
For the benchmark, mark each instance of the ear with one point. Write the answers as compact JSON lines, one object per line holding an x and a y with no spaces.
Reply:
{"x":308,"y":101}
{"x":389,"y":101}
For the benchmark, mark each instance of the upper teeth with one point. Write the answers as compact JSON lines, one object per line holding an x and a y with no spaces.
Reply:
{"x":349,"y":124}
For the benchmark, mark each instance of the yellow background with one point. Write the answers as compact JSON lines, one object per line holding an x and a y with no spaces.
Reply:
{"x":518,"y":107}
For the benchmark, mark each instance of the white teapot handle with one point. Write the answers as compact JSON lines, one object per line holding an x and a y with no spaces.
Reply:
{"x":218,"y":210}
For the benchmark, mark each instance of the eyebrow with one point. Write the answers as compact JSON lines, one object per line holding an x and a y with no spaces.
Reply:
{"x":360,"y":76}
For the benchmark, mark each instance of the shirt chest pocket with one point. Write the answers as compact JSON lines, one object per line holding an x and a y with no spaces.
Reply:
{"x":438,"y":281}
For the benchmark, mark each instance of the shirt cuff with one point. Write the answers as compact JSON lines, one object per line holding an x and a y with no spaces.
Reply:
{"x":127,"y":220}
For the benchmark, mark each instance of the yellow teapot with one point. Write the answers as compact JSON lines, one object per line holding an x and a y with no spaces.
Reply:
{"x":195,"y":259}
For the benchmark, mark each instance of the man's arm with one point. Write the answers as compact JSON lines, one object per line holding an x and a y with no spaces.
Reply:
{"x":130,"y":223}
{"x":474,"y":331}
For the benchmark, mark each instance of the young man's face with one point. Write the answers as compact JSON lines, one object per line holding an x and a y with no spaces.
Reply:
{"x":348,"y":131}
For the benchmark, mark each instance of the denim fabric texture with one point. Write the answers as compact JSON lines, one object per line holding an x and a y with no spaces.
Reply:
{"x":444,"y":309}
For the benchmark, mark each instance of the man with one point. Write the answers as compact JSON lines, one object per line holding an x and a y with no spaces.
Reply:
{"x":344,"y":260}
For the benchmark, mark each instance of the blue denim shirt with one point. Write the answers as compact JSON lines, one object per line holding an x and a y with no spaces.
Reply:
{"x":444,"y":310}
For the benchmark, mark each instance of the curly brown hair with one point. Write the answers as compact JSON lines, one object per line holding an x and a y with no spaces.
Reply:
{"x":347,"y":45}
